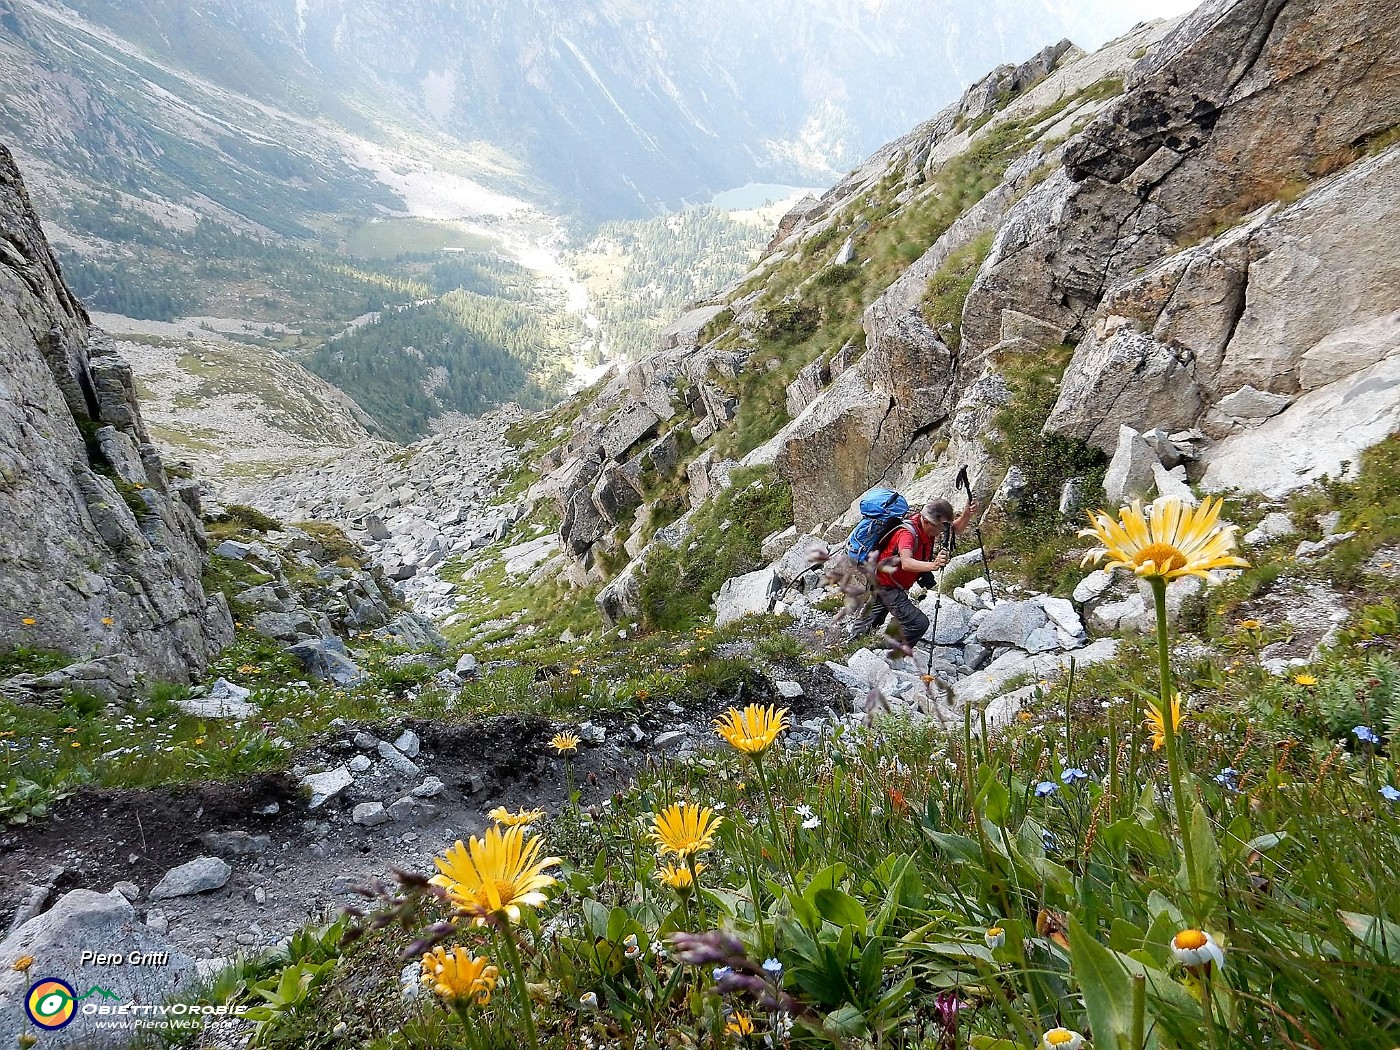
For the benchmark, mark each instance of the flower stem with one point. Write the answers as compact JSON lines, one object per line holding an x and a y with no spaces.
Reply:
{"x":695,"y":885}
{"x":1138,"y":1039}
{"x":754,"y":889}
{"x":1208,"y":1008}
{"x":992,"y":979}
{"x":1164,"y":673}
{"x":517,"y":981}
{"x":778,"y":844}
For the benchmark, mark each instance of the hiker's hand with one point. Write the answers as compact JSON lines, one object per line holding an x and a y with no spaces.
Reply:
{"x":973,"y":507}
{"x":940,"y":560}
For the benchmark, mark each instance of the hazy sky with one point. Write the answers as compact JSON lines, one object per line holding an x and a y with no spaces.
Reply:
{"x":1163,"y":8}
{"x":1091,"y":31}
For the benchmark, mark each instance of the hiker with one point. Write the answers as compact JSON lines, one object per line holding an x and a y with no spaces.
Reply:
{"x":913,"y":544}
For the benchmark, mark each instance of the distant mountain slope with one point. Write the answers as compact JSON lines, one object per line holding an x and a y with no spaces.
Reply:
{"x":618,"y":107}
{"x":214,"y":399}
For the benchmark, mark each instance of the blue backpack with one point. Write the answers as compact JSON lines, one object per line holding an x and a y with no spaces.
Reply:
{"x":882,"y":511}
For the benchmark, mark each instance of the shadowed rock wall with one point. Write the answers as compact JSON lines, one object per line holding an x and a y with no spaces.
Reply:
{"x":99,"y":547}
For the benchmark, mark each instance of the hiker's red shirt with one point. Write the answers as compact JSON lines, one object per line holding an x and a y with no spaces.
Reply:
{"x":904,"y":540}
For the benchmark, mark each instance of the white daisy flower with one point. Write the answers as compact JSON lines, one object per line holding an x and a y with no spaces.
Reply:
{"x":1194,"y":948}
{"x":1061,"y":1039}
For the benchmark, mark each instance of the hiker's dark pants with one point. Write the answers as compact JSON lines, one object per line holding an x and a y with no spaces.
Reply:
{"x":895,"y":600}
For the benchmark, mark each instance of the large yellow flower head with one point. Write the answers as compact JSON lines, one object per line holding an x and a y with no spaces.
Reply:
{"x":506,"y":818}
{"x":678,"y":877}
{"x":1169,"y":540}
{"x":500,"y":873}
{"x":739,"y":1023}
{"x":684,"y":829}
{"x":752,"y":730}
{"x":1157,"y":723}
{"x":565,"y":743}
{"x":454,"y":974}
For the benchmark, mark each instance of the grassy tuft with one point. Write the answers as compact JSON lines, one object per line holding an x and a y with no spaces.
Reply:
{"x":1033,"y":532}
{"x":728,"y":532}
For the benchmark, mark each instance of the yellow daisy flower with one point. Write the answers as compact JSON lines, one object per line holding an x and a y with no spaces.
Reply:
{"x":677,"y":876}
{"x":753,"y":730}
{"x":500,"y":873}
{"x":740,"y":1023}
{"x":684,"y":828}
{"x":1170,"y":540}
{"x":455,"y":974}
{"x":1305,"y":679}
{"x":1157,"y":723}
{"x":23,"y":963}
{"x":564,"y":743}
{"x":506,"y":818}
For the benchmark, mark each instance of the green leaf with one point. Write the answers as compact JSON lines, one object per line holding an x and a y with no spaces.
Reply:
{"x":595,"y":917}
{"x":959,"y":950}
{"x":841,"y":909}
{"x":822,"y":982}
{"x":828,"y":878}
{"x":872,"y":963}
{"x":1158,"y":905}
{"x":1107,"y":988}
{"x":956,"y":847}
{"x":893,"y":1005}
{"x":1124,"y":936}
{"x":1264,"y":843}
{"x":1380,"y":936}
{"x":992,"y":797}
{"x":845,"y":1023}
{"x":1156,"y":943}
{"x":618,"y":924}
{"x":904,"y":890}
{"x":802,"y":910}
{"x":1203,"y":842}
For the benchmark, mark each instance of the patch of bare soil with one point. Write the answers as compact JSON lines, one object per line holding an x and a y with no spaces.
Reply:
{"x":292,"y":864}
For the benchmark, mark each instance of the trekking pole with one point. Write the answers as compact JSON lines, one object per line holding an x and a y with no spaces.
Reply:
{"x":963,"y":483}
{"x":774,"y":602}
{"x":933,"y":631}
{"x":946,"y":545}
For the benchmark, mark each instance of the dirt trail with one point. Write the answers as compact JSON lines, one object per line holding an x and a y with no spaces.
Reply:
{"x":292,"y":864}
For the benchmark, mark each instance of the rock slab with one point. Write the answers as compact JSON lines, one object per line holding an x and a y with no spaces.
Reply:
{"x":195,"y":876}
{"x":84,"y":920}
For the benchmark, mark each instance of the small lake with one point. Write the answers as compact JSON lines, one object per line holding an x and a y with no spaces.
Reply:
{"x":756,"y":195}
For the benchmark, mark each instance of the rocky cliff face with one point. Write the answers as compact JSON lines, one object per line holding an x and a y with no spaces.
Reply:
{"x":103,"y":549}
